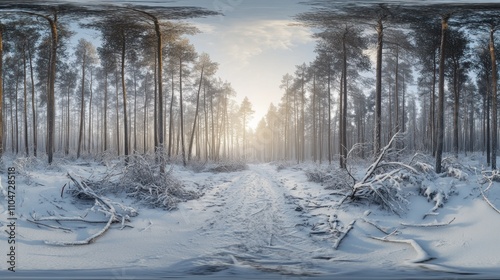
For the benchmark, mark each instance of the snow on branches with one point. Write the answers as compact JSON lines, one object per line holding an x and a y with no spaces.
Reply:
{"x":382,"y":180}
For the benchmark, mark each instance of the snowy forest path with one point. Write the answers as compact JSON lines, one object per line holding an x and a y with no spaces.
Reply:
{"x":252,"y":224}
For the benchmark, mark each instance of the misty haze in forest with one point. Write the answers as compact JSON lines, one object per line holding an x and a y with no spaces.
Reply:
{"x":263,"y":140}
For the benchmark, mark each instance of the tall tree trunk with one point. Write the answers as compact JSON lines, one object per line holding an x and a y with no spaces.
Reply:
{"x":135,"y":111}
{"x":303,"y":121}
{"x":378,"y":89}
{"x":1,"y":94}
{"x":403,"y":122}
{"x":396,"y":92}
{"x":340,"y":112}
{"x":105,"y":109}
{"x":343,"y":153}
{"x":145,"y":126}
{"x":155,"y":111}
{"x":66,"y":149}
{"x":488,"y":134}
{"x":433,"y":108}
{"x":33,"y":101}
{"x":124,"y":93}
{"x":206,"y":120}
{"x":117,"y":113}
{"x":315,"y":136}
{"x":90,"y":113}
{"x":329,"y":115}
{"x":17,"y":109}
{"x":181,"y":114}
{"x":494,"y":99}
{"x":50,"y":95}
{"x":25,"y":110}
{"x":195,"y":114}
{"x":456,"y":104}
{"x":171,"y":120}
{"x":440,"y":116}
{"x":82,"y":106}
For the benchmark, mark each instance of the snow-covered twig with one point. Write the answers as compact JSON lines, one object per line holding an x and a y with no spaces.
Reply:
{"x":344,"y":234}
{"x":69,"y":219}
{"x":428,"y":225}
{"x":422,"y":255}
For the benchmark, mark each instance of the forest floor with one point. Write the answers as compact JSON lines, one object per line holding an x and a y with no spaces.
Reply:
{"x":262,"y":222}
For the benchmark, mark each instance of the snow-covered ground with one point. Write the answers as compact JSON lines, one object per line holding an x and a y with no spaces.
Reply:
{"x":258,"y":223}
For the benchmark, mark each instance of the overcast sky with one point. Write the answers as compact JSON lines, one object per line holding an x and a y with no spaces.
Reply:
{"x":254,"y":45}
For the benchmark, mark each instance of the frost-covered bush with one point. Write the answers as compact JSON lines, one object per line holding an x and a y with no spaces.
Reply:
{"x":454,"y":168}
{"x":457,"y":173}
{"x":330,"y":178}
{"x":228,"y":166}
{"x":197,"y":166}
{"x":282,"y":164}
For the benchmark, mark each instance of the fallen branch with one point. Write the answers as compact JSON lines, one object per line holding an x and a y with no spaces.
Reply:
{"x":428,"y":225}
{"x":49,"y":226}
{"x":344,"y":234}
{"x":422,"y":255}
{"x":384,"y":230}
{"x":85,"y":241}
{"x":69,"y":219}
{"x":105,"y":206}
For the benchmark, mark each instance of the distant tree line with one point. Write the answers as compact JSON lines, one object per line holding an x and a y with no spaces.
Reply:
{"x":144,"y":89}
{"x":434,"y":79}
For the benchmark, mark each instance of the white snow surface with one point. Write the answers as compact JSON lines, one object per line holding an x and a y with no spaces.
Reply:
{"x":256,"y":223}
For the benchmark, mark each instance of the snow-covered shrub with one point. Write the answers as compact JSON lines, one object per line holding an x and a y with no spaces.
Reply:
{"x":423,"y":167}
{"x":457,"y":173}
{"x":433,"y":193}
{"x":280,"y":165}
{"x":141,"y":179}
{"x":330,"y":178}
{"x":228,"y":166}
{"x":454,"y":168}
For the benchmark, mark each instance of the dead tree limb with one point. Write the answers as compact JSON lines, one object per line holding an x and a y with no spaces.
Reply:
{"x":105,"y":206}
